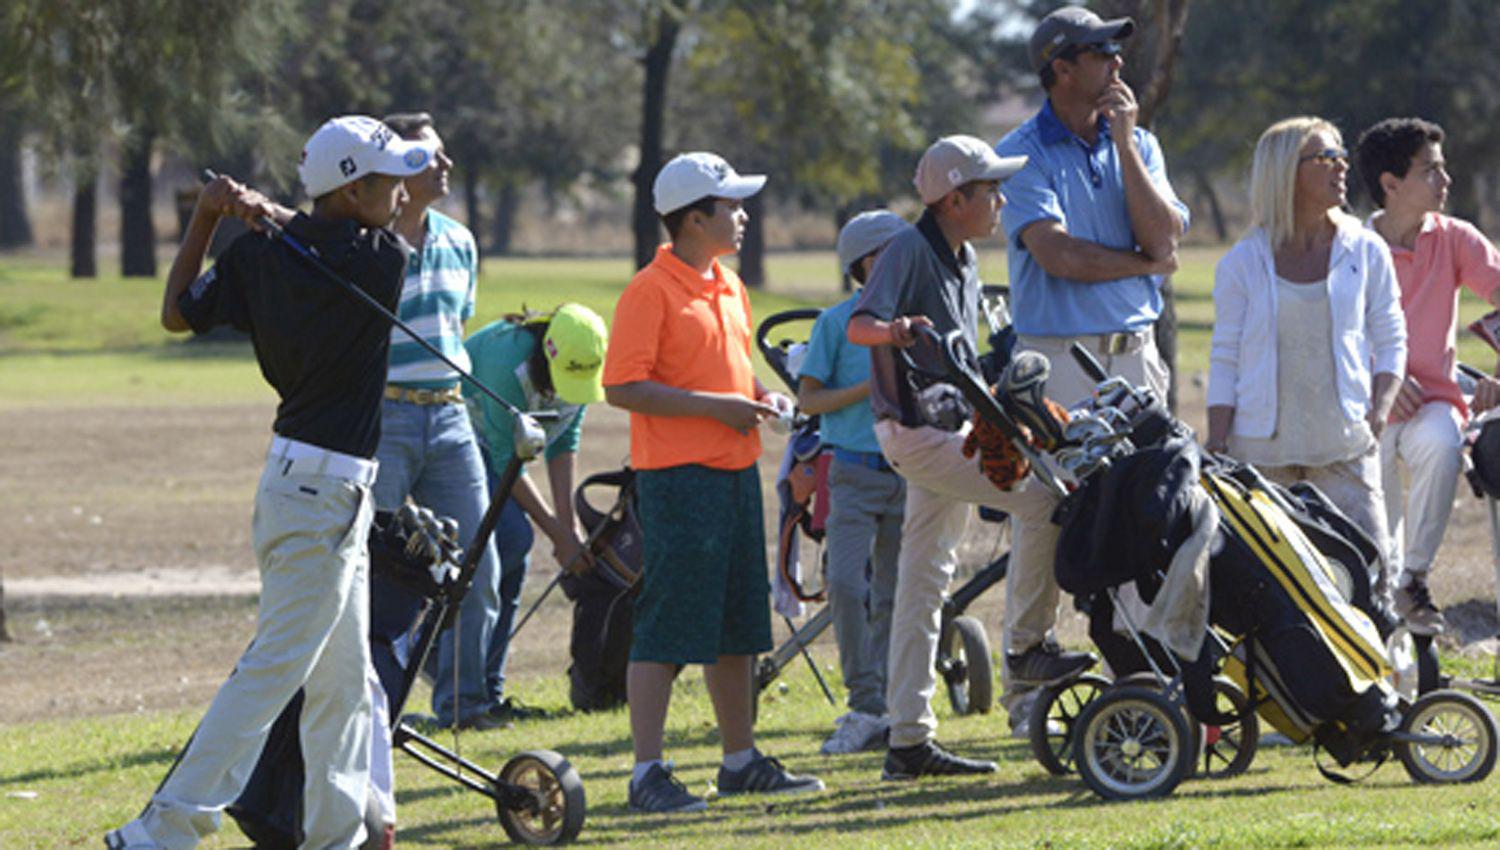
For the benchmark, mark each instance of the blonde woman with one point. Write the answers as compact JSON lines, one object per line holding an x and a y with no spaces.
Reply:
{"x":1309,"y":341}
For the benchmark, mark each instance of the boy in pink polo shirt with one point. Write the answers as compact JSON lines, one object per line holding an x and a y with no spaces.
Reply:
{"x":1401,"y":162}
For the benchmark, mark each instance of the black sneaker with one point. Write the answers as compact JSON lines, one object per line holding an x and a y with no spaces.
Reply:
{"x":1414,"y":604}
{"x":511,"y":709}
{"x":659,"y":792}
{"x":482,"y":721}
{"x":765,"y":775}
{"x":930,"y":759}
{"x":1047,"y":664}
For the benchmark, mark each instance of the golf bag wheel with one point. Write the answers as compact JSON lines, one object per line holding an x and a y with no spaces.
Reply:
{"x":1465,"y":731}
{"x":1227,"y":750}
{"x":1132,"y":743}
{"x":1054,"y":717}
{"x":968,"y":668}
{"x":555,"y":813}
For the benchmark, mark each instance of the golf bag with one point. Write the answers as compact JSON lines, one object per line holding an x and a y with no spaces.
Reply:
{"x":269,"y":809}
{"x":802,"y":489}
{"x":603,"y":598}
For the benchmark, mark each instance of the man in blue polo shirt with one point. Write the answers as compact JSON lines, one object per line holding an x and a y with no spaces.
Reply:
{"x":427,"y":446}
{"x":1092,"y":222}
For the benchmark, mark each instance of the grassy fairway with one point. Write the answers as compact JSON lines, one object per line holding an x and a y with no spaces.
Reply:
{"x":90,"y":775}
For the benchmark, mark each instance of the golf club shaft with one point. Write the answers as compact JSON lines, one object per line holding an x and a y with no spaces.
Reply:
{"x":316,"y":262}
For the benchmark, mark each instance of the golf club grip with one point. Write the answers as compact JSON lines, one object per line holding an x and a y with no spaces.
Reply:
{"x":1087,"y":363}
{"x":208,"y":175}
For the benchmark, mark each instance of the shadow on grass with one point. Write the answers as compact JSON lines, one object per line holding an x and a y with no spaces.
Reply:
{"x":146,"y":759}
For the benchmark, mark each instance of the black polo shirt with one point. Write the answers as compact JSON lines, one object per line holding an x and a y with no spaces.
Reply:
{"x":918,"y":274}
{"x":322,"y":350}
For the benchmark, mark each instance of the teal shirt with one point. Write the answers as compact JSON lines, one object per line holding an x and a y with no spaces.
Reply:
{"x":499,"y":352}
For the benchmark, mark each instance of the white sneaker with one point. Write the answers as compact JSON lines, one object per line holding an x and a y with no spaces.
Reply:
{"x":856,"y":733}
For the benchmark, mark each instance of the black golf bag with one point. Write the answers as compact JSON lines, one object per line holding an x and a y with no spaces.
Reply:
{"x":603,"y":598}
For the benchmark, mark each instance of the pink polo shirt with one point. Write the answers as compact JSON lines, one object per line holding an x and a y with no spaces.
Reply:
{"x":1449,"y":253}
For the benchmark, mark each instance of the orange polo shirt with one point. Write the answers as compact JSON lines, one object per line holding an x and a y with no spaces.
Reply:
{"x":677,"y":327}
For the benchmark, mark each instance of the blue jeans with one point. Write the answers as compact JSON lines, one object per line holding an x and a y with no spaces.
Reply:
{"x":429,"y":452}
{"x":513,"y":539}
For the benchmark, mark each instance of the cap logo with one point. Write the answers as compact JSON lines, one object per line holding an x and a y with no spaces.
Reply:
{"x":415,"y":158}
{"x":347,"y":166}
{"x":719,"y":170}
{"x":381,"y":136}
{"x":955,"y":176}
{"x":551,"y":348}
{"x":580,"y":366}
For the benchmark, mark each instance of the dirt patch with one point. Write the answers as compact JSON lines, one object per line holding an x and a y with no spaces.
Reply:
{"x":130,"y":582}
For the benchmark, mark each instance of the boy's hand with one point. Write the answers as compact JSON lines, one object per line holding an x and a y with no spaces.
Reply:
{"x":569,"y":552}
{"x":223,"y":196}
{"x":1408,"y":400}
{"x":903,"y":330}
{"x":742,"y":414}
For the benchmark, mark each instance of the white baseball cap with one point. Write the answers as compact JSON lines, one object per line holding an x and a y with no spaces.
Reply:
{"x":953,"y":161}
{"x":347,"y":148}
{"x":692,"y":177}
{"x":867,"y":232}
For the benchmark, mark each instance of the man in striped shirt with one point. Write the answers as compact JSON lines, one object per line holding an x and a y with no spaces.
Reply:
{"x":427,"y":446}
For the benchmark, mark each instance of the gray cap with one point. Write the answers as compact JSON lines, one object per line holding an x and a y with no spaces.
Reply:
{"x":953,"y":161}
{"x":1073,"y":26}
{"x":866,"y":232}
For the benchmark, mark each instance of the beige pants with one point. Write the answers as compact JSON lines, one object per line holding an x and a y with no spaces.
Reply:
{"x":942,"y":484}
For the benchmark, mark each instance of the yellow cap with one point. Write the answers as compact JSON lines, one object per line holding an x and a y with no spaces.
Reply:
{"x":574,"y":345}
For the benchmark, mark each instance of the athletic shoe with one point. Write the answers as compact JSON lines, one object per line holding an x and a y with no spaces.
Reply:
{"x":765,"y":775}
{"x":660,"y":793}
{"x":131,"y":836}
{"x":856,"y":732}
{"x":482,"y":721}
{"x":930,"y":759}
{"x":1414,"y":604}
{"x":510,"y":709}
{"x":1047,"y":664}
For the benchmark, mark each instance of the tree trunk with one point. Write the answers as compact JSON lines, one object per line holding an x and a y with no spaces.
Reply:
{"x":15,"y":227}
{"x":506,"y":204}
{"x":1166,"y":339}
{"x":85,"y":219}
{"x":137,"y":236}
{"x":657,"y":62}
{"x":1150,"y":54}
{"x":753,"y":249}
{"x":1215,"y":209}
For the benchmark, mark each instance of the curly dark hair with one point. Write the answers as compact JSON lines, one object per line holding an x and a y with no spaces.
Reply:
{"x":1390,"y":146}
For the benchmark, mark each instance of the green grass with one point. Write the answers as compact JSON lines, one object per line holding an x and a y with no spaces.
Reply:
{"x":89,"y":775}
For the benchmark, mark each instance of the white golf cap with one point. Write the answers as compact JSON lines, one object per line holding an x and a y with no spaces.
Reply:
{"x":347,"y":148}
{"x":692,"y":177}
{"x":866,"y":232}
{"x":953,"y":161}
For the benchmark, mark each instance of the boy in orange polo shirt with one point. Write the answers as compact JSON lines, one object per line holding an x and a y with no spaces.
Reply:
{"x":1401,"y":161}
{"x":679,"y":361}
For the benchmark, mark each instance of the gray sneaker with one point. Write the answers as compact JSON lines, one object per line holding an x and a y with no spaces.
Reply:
{"x":765,"y":775}
{"x":1047,"y":664}
{"x":1414,"y":604}
{"x":659,"y":792}
{"x":856,"y":733}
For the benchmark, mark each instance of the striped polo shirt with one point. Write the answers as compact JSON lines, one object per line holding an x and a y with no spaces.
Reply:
{"x":436,"y":299}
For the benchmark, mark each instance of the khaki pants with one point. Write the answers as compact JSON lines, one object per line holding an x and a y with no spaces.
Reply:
{"x":1430,"y":444}
{"x":1067,"y":384}
{"x":942,"y":484}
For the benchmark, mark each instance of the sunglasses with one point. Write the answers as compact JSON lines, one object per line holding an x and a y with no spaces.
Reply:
{"x":1326,"y":156}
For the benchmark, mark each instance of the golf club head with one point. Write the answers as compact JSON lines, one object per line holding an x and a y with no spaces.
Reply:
{"x":406,"y":517}
{"x":1022,"y":386}
{"x":450,"y":530}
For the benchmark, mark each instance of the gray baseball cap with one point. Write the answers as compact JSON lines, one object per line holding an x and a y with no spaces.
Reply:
{"x":1073,"y":26}
{"x":866,"y":232}
{"x":953,"y":161}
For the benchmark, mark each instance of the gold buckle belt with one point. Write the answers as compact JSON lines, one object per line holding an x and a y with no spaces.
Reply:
{"x":447,"y":395}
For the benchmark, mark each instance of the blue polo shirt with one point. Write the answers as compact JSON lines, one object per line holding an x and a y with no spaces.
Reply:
{"x":835,"y":362}
{"x":1081,"y":186}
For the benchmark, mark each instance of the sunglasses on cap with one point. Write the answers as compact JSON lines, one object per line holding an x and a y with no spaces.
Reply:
{"x":1326,"y":156}
{"x":1107,"y":49}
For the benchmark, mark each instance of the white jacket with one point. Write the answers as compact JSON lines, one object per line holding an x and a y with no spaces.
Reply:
{"x":1369,"y":331}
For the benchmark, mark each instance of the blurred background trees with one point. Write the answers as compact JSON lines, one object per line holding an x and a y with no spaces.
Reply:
{"x":563,"y":111}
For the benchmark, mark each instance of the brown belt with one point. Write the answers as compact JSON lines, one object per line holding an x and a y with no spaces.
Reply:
{"x":446,"y":395}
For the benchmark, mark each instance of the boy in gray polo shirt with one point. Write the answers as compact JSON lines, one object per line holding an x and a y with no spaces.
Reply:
{"x":929,"y":275}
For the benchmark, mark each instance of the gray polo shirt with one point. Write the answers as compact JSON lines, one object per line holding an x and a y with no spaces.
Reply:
{"x":918,"y":274}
